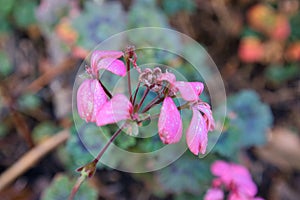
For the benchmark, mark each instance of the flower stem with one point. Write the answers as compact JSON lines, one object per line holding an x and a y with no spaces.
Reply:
{"x":113,"y":137}
{"x":89,"y":169}
{"x":76,"y":187}
{"x":129,"y":79}
{"x":105,"y":90}
{"x":155,"y":101}
{"x":136,"y":91}
{"x":143,"y":98}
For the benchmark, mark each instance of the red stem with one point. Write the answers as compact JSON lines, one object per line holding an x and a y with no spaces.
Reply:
{"x":143,"y":98}
{"x":136,"y":91}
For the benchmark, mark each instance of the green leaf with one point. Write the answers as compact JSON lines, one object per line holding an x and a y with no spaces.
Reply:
{"x":24,"y":13}
{"x":29,"y":101}
{"x":6,"y":7}
{"x":44,"y":130}
{"x":188,"y":174}
{"x":3,"y":130}
{"x":279,"y":74}
{"x":172,"y":7}
{"x":6,"y":67}
{"x":98,"y":22}
{"x":125,"y":141}
{"x":61,"y":187}
{"x":295,"y":26}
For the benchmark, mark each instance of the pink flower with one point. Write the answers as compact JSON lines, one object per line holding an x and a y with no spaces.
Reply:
{"x":107,"y":60}
{"x":90,"y":98}
{"x":196,"y":135}
{"x":189,"y":91}
{"x":236,"y":179}
{"x":117,"y":109}
{"x":214,"y":194}
{"x":169,"y":122}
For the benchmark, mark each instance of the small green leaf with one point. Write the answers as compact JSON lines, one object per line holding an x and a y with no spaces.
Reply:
{"x":187,"y":174}
{"x":29,"y":101}
{"x":44,"y":130}
{"x":6,"y":67}
{"x":24,"y":13}
{"x":279,"y":74}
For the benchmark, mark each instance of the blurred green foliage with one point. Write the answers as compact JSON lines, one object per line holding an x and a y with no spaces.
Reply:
{"x":6,"y":66}
{"x":172,"y":7}
{"x":248,"y":122}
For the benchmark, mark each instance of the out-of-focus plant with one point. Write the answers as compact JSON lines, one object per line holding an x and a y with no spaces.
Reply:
{"x":236,"y":180}
{"x":248,"y":122}
{"x":18,"y":14}
{"x":272,"y":37}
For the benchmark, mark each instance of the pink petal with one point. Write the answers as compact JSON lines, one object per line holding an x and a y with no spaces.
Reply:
{"x":189,"y":91}
{"x":220,"y":168}
{"x":198,"y":87}
{"x":242,"y":179}
{"x":100,"y":98}
{"x":196,"y":135}
{"x":169,"y":122}
{"x":205,"y":108}
{"x":98,"y":55}
{"x":214,"y":194}
{"x":117,"y":109}
{"x":90,"y":98}
{"x":113,"y":65}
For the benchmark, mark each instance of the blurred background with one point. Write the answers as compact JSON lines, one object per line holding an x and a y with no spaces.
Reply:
{"x":255,"y":45}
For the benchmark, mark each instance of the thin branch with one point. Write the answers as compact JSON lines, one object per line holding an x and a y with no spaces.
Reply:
{"x":143,"y":98}
{"x":135,"y":93}
{"x":32,"y":157}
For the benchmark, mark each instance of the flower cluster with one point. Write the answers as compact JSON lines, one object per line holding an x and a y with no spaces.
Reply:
{"x":96,"y":104}
{"x":235,"y":178}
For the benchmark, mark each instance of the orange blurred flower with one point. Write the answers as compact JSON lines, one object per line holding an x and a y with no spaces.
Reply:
{"x":264,"y":19}
{"x":65,"y":32}
{"x":250,"y":49}
{"x":293,"y":52}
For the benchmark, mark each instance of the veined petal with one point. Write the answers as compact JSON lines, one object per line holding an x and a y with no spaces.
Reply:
{"x":169,"y":122}
{"x":100,"y":98}
{"x":98,"y":55}
{"x":189,"y":91}
{"x":117,"y":109}
{"x":205,"y":108}
{"x":196,"y":135}
{"x":90,"y":97}
{"x":214,"y":194}
{"x":113,"y":65}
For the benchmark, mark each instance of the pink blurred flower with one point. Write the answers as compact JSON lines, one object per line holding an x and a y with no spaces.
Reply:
{"x":169,"y":122}
{"x":107,"y":60}
{"x":236,"y":179}
{"x":90,"y":98}
{"x":251,"y":50}
{"x":214,"y":194}
{"x":117,"y":109}
{"x":196,"y":135}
